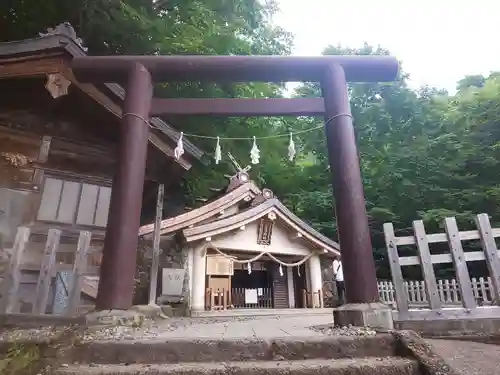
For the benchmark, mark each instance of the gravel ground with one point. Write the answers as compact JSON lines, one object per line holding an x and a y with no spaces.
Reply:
{"x":332,"y":330}
{"x":469,"y":358}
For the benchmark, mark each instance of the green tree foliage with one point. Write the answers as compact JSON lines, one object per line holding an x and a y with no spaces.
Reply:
{"x":168,"y":27}
{"x":424,"y":153}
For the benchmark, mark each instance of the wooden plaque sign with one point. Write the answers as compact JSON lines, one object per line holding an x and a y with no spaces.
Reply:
{"x":265,"y":231}
{"x":219,"y":266}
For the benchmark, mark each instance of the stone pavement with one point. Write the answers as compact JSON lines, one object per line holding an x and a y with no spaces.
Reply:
{"x":469,"y":358}
{"x":240,"y":328}
{"x":257,"y":327}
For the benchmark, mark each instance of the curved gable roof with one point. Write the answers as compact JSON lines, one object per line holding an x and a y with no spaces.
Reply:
{"x":245,"y":217}
{"x":170,"y":225}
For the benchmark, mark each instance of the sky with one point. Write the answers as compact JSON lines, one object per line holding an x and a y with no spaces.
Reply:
{"x":438,"y":41}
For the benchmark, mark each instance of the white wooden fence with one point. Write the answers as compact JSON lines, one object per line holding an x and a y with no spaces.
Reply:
{"x":18,"y":273}
{"x":449,"y":292}
{"x":435,"y":300}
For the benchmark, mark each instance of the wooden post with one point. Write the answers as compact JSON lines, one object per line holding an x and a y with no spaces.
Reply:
{"x":43,"y":155}
{"x":457,"y":252}
{"x":155,"y":261}
{"x":46,"y":270}
{"x":352,"y":220}
{"x":397,"y":275}
{"x":79,"y":269}
{"x":424,"y":254}
{"x":12,"y":280}
{"x":490,"y":253}
{"x":116,"y":284}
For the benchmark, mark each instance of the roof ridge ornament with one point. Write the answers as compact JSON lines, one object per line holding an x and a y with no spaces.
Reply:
{"x":67,"y":30}
{"x":241,"y":174}
{"x":265,"y":195}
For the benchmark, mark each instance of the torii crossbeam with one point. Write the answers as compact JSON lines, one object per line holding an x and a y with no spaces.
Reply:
{"x":139,"y":72}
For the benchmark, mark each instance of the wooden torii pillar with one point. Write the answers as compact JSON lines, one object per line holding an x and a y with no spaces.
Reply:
{"x":333,"y":72}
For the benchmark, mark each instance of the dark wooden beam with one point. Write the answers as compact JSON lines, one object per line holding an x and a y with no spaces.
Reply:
{"x":350,"y":210}
{"x":116,"y":284}
{"x":235,"y":68}
{"x":239,"y":107}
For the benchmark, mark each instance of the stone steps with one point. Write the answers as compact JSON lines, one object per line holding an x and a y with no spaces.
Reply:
{"x":192,"y":350}
{"x":345,"y":366}
{"x":380,"y":354}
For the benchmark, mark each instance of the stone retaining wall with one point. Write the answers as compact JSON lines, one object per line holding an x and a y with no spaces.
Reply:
{"x":456,"y":327}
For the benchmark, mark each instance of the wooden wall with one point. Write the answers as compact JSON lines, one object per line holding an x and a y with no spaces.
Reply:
{"x":57,"y":159}
{"x":56,"y":169}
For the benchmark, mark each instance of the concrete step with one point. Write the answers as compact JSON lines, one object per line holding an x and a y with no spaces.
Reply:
{"x":346,"y":366}
{"x":262,"y":312}
{"x":190,"y":350}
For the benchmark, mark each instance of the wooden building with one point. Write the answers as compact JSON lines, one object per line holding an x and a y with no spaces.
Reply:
{"x":245,"y":250}
{"x":57,"y":152}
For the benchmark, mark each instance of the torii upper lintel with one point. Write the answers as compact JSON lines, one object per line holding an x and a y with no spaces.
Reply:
{"x":236,"y":68}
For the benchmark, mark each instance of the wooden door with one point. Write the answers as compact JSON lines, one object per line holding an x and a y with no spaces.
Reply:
{"x":280,"y":287}
{"x":299,"y":285}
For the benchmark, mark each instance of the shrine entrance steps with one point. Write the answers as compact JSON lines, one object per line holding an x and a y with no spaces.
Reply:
{"x":294,"y":345}
{"x":333,"y":355}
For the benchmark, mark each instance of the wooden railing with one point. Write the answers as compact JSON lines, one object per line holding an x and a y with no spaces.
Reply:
{"x":448,"y":290}
{"x":264,"y":299}
{"x":219,"y":299}
{"x":222,"y":299}
{"x":435,"y":302}
{"x":15,"y":275}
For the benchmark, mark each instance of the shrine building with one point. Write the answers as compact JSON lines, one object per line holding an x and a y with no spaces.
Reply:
{"x":245,"y":250}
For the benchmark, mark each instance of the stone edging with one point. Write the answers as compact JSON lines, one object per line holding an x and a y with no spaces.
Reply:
{"x":416,"y":346}
{"x":474,"y":337}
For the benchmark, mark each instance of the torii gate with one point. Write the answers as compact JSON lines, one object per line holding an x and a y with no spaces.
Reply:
{"x":139,"y":72}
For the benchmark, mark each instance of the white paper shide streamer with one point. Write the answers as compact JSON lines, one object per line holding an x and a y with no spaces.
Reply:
{"x":179,"y":149}
{"x":249,"y":268}
{"x":291,"y":149}
{"x":218,"y":152}
{"x":281,"y":270}
{"x":254,"y":152}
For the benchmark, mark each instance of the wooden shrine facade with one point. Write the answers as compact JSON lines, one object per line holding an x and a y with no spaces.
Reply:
{"x":58,"y":148}
{"x":245,"y":250}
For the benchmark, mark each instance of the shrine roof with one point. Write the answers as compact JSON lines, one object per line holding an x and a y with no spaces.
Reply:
{"x":264,"y":206}
{"x":251,"y":204}
{"x":63,"y":39}
{"x":233,"y":196}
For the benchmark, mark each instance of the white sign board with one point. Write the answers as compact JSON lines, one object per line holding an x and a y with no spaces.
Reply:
{"x":172,"y":281}
{"x":251,"y":296}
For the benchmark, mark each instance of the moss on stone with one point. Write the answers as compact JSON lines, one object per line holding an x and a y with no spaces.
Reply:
{"x":35,"y":355}
{"x":22,"y":359}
